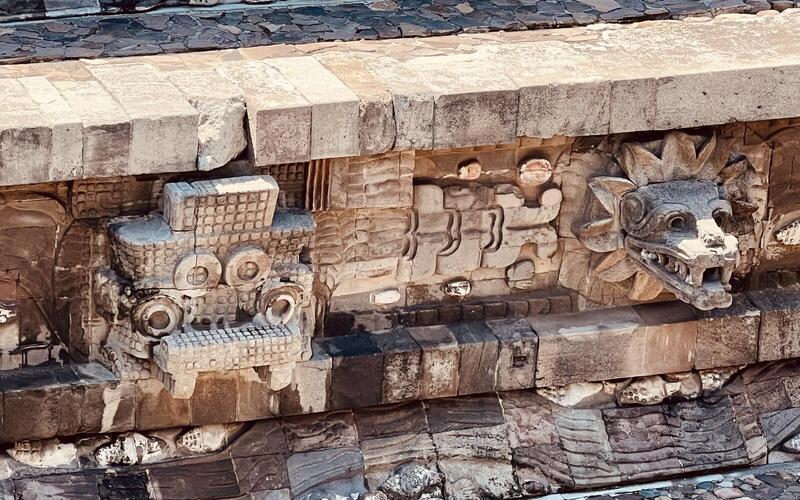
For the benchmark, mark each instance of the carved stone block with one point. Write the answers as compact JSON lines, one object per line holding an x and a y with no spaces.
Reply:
{"x":727,"y":337}
{"x":614,"y":343}
{"x":441,"y":356}
{"x":779,"y":334}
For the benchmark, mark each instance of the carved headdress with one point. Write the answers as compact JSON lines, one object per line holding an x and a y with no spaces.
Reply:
{"x":668,"y":223}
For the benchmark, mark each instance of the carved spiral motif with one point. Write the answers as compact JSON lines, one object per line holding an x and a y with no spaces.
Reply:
{"x":195,"y":271}
{"x":279,"y":304}
{"x":247,"y":267}
{"x":157,"y":316}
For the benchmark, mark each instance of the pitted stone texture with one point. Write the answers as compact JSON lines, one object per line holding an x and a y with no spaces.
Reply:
{"x":338,"y":104}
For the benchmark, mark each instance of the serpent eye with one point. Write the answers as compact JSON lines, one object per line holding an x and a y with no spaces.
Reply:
{"x":676,"y":222}
{"x":721,"y":216}
{"x":633,"y":208}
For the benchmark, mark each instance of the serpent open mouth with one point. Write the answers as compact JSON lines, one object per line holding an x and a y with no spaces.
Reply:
{"x":702,"y":280}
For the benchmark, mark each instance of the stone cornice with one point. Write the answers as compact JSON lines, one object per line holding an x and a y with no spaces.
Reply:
{"x":61,"y":121}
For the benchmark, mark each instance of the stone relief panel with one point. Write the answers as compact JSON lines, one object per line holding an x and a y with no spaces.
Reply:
{"x":678,"y":214}
{"x":211,"y":282}
{"x":235,"y":270}
{"x":404,"y":232}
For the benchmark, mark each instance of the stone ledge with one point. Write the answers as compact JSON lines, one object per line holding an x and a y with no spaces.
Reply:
{"x":448,"y":92}
{"x":361,"y":370}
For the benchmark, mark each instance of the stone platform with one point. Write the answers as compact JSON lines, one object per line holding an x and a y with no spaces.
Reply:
{"x":156,"y":114}
{"x":429,"y":362}
{"x":503,"y":445}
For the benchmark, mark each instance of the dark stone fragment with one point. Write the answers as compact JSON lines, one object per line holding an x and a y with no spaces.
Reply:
{"x":131,"y":486}
{"x":215,"y":399}
{"x":202,"y":478}
{"x":390,"y":420}
{"x":261,"y":438}
{"x":83,"y":486}
{"x":261,"y":473}
{"x":357,"y":375}
{"x":461,"y":413}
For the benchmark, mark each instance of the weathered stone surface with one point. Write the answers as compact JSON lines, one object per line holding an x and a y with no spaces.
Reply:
{"x":727,"y":337}
{"x":357,"y":374}
{"x":220,"y":106}
{"x":779,"y":334}
{"x":518,"y":348}
{"x":163,"y":124}
{"x":479,"y":351}
{"x":614,"y":343}
{"x":334,"y":107}
{"x":195,"y":479}
{"x":278,"y":116}
{"x":338,"y":471}
{"x":440,"y":360}
{"x":402,"y":361}
{"x":317,"y":432}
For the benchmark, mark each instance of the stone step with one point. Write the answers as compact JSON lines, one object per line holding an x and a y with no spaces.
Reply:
{"x":145,"y":115}
{"x":420,"y":363}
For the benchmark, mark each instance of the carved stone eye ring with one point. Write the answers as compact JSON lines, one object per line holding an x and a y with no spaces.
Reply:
{"x":676,"y":222}
{"x":720,"y":216}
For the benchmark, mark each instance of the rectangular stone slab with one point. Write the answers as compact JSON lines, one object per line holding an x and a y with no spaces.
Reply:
{"x":614,"y":343}
{"x":349,"y":98}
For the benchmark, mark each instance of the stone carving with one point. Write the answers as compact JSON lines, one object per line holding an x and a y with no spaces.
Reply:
{"x":213,"y":282}
{"x":669,"y":222}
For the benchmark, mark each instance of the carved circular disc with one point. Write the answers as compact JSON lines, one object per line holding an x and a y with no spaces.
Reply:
{"x":197,"y":271}
{"x":157,"y":316}
{"x":247,"y":268}
{"x":279,"y":304}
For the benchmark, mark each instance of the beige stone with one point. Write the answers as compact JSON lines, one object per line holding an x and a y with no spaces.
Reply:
{"x":163,"y":124}
{"x":25,"y":137}
{"x":334,"y":107}
{"x":66,"y":142}
{"x":106,"y":127}
{"x":221,"y":108}
{"x":614,"y":343}
{"x":377,"y":127}
{"x":440,"y":361}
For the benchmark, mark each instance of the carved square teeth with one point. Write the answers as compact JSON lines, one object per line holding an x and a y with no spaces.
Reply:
{"x":725,"y":275}
{"x":671,"y":265}
{"x":695,"y":277}
{"x":662,"y":259}
{"x":683,"y":270}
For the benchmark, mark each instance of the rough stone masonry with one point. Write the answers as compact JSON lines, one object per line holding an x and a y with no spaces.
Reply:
{"x":492,"y":265}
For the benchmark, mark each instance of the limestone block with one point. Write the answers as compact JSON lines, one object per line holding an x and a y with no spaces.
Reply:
{"x":383,"y":455}
{"x":25,"y":137}
{"x":688,"y":100}
{"x":278,"y":116}
{"x":479,"y":352}
{"x":215,"y":398}
{"x":516,"y":362}
{"x":66,"y":143}
{"x":309,"y":389}
{"x":221,"y":108}
{"x":334,"y":107}
{"x":473,"y":102}
{"x":264,"y":477}
{"x":157,"y":409}
{"x":632,"y":105}
{"x":440,"y":361}
{"x":779,"y":333}
{"x":377,"y":127}
{"x":727,"y":337}
{"x":566,"y":108}
{"x":614,"y":343}
{"x":402,"y":362}
{"x":163,"y":124}
{"x":106,"y":127}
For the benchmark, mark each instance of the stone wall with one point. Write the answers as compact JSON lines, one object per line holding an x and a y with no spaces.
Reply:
{"x":228,"y":237}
